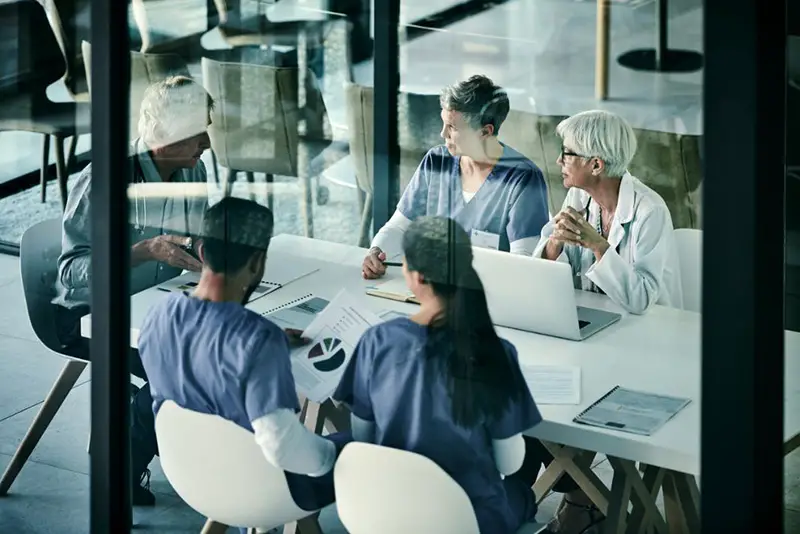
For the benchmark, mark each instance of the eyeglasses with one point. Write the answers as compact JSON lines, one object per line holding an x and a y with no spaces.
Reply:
{"x":565,"y":153}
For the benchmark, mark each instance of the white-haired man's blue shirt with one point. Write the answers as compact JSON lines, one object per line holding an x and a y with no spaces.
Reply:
{"x":150,"y":216}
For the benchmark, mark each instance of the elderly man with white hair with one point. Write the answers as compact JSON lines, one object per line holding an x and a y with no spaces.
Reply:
{"x":174,"y":117}
{"x":614,"y":231}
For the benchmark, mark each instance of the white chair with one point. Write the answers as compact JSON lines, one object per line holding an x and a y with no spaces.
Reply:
{"x":219,"y":470}
{"x":689,"y":243}
{"x":380,"y":489}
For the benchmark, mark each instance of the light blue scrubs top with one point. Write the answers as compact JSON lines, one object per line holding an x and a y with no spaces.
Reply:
{"x":511,"y":203}
{"x":222,"y":359}
{"x":391,"y":382}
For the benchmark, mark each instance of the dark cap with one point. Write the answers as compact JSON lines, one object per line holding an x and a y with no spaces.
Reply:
{"x":237,"y":221}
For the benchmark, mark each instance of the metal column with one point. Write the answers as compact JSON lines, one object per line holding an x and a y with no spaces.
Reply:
{"x":110,"y":457}
{"x":744,"y":102}
{"x":387,"y":84}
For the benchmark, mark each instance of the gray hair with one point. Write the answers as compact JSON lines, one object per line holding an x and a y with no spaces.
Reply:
{"x":172,"y":110}
{"x":479,"y":100}
{"x":603,"y":135}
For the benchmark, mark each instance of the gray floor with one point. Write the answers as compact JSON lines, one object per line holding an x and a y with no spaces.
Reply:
{"x":52,"y":491}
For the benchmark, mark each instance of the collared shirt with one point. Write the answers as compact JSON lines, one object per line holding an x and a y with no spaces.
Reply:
{"x":151,"y":215}
{"x":640,"y":267}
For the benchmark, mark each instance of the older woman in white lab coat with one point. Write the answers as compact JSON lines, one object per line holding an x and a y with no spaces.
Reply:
{"x":614,"y":231}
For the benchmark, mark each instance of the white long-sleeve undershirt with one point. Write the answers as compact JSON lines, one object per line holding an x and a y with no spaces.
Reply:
{"x":290,"y":446}
{"x":390,"y":238}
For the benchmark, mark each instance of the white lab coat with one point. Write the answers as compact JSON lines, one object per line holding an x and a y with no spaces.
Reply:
{"x":640,"y":268}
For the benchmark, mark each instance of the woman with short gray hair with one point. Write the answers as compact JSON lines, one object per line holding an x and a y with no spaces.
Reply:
{"x":614,"y":230}
{"x":495,"y":193}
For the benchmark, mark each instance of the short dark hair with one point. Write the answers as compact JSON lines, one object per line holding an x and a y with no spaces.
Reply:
{"x":234,"y":231}
{"x":479,"y":99}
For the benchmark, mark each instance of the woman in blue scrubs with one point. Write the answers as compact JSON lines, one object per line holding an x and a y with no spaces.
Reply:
{"x":495,"y":193}
{"x":443,"y":384}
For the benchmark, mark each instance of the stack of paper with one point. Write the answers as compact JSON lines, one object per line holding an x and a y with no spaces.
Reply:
{"x":553,"y":384}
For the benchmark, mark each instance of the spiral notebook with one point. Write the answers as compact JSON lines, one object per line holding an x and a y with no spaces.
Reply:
{"x":186,"y":283}
{"x":297,"y":313}
{"x":276,"y":276}
{"x":632,"y":411}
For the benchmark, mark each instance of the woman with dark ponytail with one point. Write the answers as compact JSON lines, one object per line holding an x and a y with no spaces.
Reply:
{"x":443,"y":384}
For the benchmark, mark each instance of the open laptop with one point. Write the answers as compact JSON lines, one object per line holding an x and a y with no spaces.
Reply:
{"x":536,"y":295}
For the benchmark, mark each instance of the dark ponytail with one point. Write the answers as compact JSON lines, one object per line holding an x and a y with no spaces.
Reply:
{"x":462,"y":340}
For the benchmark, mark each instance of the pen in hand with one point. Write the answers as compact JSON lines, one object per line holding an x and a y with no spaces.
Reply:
{"x":392,"y":264}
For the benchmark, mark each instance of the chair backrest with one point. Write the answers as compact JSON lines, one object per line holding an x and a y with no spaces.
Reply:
{"x":379,"y":489}
{"x":146,"y":69}
{"x":257,"y":116}
{"x":220,"y":471}
{"x":418,"y":122}
{"x":689,"y":244}
{"x":667,"y":162}
{"x":38,"y":258}
{"x":70,"y":22}
{"x":32,"y":58}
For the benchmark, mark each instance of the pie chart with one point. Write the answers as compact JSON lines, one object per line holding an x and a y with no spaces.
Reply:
{"x":328,"y":354}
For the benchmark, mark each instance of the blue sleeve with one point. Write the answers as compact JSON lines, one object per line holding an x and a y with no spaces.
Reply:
{"x":268,"y":384}
{"x":414,"y":202}
{"x":353,"y":389}
{"x":75,"y":261}
{"x":522,"y":414}
{"x":528,"y":211}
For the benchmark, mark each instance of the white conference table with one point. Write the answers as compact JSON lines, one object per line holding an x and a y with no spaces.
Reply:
{"x":658,"y":352}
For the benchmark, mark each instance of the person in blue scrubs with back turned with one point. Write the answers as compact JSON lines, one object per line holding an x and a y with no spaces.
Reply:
{"x":498,"y":195}
{"x":443,"y":384}
{"x":208,"y":353}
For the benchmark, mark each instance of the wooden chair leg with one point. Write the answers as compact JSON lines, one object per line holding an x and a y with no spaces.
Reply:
{"x":229,"y":179}
{"x":366,"y":221}
{"x":212,"y":527}
{"x":61,"y":171}
{"x":251,"y":181}
{"x":45,"y":165}
{"x":215,"y":167}
{"x":270,"y":178}
{"x":308,"y":203}
{"x":73,"y":146}
{"x":66,"y":380}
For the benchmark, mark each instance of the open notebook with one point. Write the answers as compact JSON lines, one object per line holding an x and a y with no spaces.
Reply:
{"x":394,"y":289}
{"x":276,"y":276}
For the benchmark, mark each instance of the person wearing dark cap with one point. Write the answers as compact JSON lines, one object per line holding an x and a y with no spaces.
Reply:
{"x":210,"y":354}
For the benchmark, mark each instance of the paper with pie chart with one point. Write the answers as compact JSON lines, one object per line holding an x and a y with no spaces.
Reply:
{"x":334,"y":333}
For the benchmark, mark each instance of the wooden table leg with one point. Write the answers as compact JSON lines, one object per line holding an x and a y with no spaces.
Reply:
{"x":602,"y":49}
{"x":642,"y":493}
{"x":681,"y":503}
{"x":617,"y":516}
{"x":583,"y":475}
{"x":653,"y":478}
